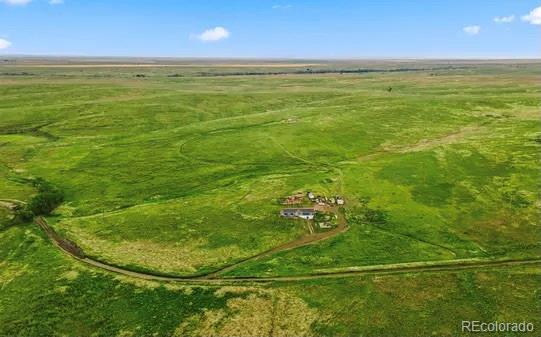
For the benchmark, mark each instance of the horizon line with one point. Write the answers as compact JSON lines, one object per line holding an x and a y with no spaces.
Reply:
{"x":275,"y":58}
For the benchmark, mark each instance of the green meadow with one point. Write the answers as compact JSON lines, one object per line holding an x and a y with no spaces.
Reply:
{"x":45,"y":292}
{"x":178,"y":171}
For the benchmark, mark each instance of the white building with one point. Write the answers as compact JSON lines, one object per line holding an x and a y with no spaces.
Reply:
{"x":303,"y":213}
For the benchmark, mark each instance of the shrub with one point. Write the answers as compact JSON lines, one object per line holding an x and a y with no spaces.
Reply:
{"x":45,"y":203}
{"x":22,"y":215}
{"x":48,"y":198}
{"x":366,"y":215}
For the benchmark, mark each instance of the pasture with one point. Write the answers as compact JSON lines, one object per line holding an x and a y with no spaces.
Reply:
{"x":177,"y":170}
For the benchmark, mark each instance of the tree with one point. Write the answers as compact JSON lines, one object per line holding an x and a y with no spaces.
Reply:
{"x":47,"y":199}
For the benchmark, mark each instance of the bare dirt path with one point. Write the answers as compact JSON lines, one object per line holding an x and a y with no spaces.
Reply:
{"x":290,"y":154}
{"x":395,"y":268}
{"x":427,"y":143}
{"x":307,"y":239}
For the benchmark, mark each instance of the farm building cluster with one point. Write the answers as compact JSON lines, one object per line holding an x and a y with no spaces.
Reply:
{"x":299,"y":198}
{"x":295,"y":199}
{"x":323,"y":200}
{"x":320,"y":209}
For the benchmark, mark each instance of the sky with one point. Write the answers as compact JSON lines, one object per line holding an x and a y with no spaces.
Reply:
{"x":273,"y":29}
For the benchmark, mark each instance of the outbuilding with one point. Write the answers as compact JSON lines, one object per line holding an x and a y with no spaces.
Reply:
{"x":302,"y":213}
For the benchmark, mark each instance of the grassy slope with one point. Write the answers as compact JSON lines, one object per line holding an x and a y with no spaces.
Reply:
{"x":44,"y":292}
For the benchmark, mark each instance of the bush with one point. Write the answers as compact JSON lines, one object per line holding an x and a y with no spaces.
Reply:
{"x":48,"y":198}
{"x":22,"y":215}
{"x":375,"y":216}
{"x":45,"y":203}
{"x":366,"y":215}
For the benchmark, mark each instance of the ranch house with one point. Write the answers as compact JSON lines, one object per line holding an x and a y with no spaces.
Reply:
{"x":303,"y":213}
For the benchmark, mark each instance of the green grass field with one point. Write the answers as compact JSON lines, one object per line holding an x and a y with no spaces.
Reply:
{"x":180,"y":174}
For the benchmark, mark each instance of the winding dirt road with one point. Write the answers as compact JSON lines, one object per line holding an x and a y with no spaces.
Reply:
{"x":213,"y":278}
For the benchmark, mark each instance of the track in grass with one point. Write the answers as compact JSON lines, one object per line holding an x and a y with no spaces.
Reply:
{"x":396,"y":268}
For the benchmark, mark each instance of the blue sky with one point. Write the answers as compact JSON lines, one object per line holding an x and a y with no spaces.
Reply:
{"x":290,"y":29}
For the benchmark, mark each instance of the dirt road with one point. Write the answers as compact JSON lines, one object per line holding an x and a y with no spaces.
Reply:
{"x":213,"y":278}
{"x":304,"y":240}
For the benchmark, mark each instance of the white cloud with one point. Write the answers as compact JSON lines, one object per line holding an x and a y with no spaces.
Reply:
{"x":472,"y":30}
{"x":4,"y":44}
{"x":56,"y":2}
{"x":534,"y":17}
{"x":281,"y":6}
{"x":16,"y":2}
{"x":213,"y":34}
{"x":504,"y":19}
